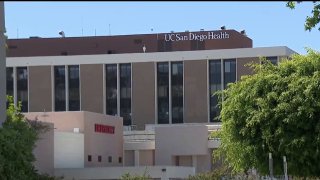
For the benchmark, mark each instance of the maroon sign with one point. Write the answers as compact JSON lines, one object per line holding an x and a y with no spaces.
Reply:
{"x":103,"y":128}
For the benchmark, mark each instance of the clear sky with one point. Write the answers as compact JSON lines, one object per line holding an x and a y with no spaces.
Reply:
{"x":266,"y":23}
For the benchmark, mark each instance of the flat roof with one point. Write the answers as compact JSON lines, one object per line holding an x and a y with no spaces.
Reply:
{"x":121,"y":44}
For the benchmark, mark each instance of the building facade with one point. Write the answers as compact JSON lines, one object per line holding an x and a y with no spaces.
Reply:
{"x":165,"y":78}
{"x":2,"y":66}
{"x":86,"y":145}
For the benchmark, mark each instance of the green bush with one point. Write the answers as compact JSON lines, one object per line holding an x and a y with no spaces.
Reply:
{"x":17,"y":140}
{"x":276,"y":110}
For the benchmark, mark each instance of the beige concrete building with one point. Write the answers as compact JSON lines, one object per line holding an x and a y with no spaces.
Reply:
{"x":156,"y":90}
{"x":171,"y":82}
{"x":86,"y":145}
{"x":81,"y":139}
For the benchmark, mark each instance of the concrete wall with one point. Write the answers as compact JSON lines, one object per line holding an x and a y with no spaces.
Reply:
{"x":146,"y":157}
{"x":91,"y":78}
{"x":129,"y":158}
{"x":185,"y":160}
{"x":204,"y":162}
{"x":102,"y":144}
{"x":242,"y":69}
{"x":40,"y":89}
{"x":163,"y":172}
{"x":2,"y":66}
{"x":44,"y":151}
{"x":179,"y":140}
{"x":195,"y":91}
{"x":63,"y":121}
{"x":143,"y":94}
{"x":94,"y":143}
{"x":117,"y":44}
{"x":68,"y":150}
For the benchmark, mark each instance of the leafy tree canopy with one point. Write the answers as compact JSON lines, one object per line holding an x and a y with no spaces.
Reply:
{"x":17,"y":140}
{"x":311,"y":21}
{"x":276,"y":110}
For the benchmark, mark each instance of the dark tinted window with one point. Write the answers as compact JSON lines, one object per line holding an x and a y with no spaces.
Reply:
{"x":229,"y":71}
{"x":164,"y":46}
{"x":59,"y":88}
{"x":163,"y":92}
{"x":125,"y":93}
{"x":9,"y":76}
{"x":22,"y":87}
{"x":197,"y":45}
{"x":111,"y":89}
{"x":214,"y":86}
{"x":273,"y":59}
{"x":74,"y":89}
{"x":177,"y":92}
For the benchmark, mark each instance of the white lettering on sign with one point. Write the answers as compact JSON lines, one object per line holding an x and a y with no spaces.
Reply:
{"x":197,"y":37}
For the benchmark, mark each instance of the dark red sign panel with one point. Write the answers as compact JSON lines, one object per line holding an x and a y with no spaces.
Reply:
{"x":103,"y":128}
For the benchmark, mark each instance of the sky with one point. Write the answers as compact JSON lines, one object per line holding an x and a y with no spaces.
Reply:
{"x":266,"y":23}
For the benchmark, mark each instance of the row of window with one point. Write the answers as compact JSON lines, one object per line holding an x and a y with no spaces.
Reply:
{"x":124,"y":85}
{"x":165,"y":46}
{"x":67,"y":85}
{"x":217,"y":75}
{"x":67,"y":88}
{"x":100,"y":159}
{"x":21,"y":85}
{"x":170,"y":100}
{"x":172,"y":73}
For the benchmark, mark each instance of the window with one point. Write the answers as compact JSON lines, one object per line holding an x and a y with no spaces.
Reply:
{"x":59,"y":88}
{"x":177,"y":92}
{"x":22,"y":87}
{"x":89,"y":158}
{"x":110,"y":159}
{"x":125,"y":93}
{"x":137,"y":41}
{"x":215,"y":82}
{"x":120,"y":159}
{"x":9,"y":76}
{"x":74,"y":89}
{"x":176,"y":89}
{"x":111,"y":89}
{"x":229,"y":71}
{"x":214,"y":86}
{"x":164,"y":46}
{"x":61,"y":83}
{"x":273,"y":59}
{"x":197,"y":45}
{"x":99,"y":158}
{"x":118,"y":78}
{"x":163,"y":92}
{"x":13,"y":47}
{"x":65,"y":53}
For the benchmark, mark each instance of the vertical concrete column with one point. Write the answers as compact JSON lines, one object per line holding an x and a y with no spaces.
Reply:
{"x":194,"y":162}
{"x":2,"y":66}
{"x":164,"y":174}
{"x":136,"y":158}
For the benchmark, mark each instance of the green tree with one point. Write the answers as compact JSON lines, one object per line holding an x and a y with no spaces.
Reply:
{"x":128,"y":176}
{"x":276,"y":110}
{"x":311,"y":21}
{"x":17,"y":140}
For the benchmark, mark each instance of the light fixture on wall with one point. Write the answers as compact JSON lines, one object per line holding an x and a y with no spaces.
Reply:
{"x":243,"y":32}
{"x":62,"y":34}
